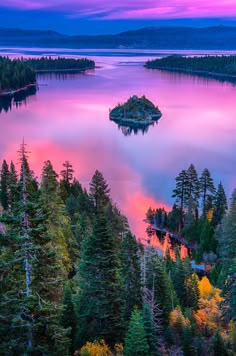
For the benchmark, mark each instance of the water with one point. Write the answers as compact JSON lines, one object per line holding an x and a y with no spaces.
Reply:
{"x":68,"y":119}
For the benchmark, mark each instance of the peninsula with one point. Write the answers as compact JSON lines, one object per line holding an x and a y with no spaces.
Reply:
{"x":219,"y":67}
{"x":19,"y":74}
{"x":135,"y":111}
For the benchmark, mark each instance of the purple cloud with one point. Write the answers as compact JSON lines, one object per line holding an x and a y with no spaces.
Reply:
{"x":131,"y":9}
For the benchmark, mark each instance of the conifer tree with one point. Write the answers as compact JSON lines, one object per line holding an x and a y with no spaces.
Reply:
{"x":207,"y":190}
{"x":68,"y":317}
{"x":218,"y":347}
{"x":131,"y":272}
{"x":192,"y":292}
{"x":150,"y":330}
{"x":49,"y":183}
{"x":227,"y":249}
{"x":4,"y":186}
{"x":67,"y":177}
{"x":219,"y":206}
{"x":101,"y":285}
{"x":178,"y":279}
{"x":99,"y":190}
{"x":136,"y":341}
{"x":13,"y":184}
{"x":187,"y":342}
{"x":180,"y":193}
{"x":193,"y":184}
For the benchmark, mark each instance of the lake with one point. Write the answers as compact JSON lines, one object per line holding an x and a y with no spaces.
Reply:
{"x":68,"y":119}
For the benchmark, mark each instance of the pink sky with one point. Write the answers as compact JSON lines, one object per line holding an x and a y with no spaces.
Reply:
{"x":130,"y":9}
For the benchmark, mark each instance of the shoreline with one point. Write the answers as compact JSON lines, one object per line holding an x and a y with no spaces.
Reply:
{"x":196,"y":72}
{"x":71,"y":70}
{"x":12,"y":92}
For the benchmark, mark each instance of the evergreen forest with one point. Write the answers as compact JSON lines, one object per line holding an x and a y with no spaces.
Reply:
{"x":212,"y":65}
{"x":76,"y":281}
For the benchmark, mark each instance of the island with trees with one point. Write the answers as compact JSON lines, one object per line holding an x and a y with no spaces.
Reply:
{"x":135,"y":110}
{"x":76,"y":281}
{"x":220,"y":67}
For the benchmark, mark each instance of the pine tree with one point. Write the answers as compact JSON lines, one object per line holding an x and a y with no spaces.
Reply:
{"x":13,"y":184}
{"x":49,"y":183}
{"x":99,"y":190}
{"x":178,"y":279}
{"x":131,"y":272}
{"x":136,"y":340}
{"x":192,"y":292}
{"x":207,"y":190}
{"x":217,"y":346}
{"x":187,"y":342}
{"x":180,"y":193}
{"x":101,"y":285}
{"x":193,"y":184}
{"x":227,"y":249}
{"x":150,"y":330}
{"x":4,"y":186}
{"x":219,"y":206}
{"x":67,"y":177}
{"x":68,"y":317}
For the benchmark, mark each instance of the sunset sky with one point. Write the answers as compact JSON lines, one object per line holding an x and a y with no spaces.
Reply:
{"x":105,"y":16}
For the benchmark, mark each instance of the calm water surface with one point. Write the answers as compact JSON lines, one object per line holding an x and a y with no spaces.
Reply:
{"x":68,"y":119}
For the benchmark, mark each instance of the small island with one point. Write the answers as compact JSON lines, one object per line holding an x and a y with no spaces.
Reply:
{"x":136,"y":111}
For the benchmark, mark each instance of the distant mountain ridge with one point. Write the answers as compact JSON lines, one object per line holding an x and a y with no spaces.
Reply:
{"x":216,"y":37}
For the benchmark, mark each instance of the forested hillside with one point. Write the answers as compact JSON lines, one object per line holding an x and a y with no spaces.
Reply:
{"x":75,"y":281}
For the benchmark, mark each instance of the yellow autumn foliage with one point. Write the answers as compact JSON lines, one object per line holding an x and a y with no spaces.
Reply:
{"x":208,"y":317}
{"x":100,"y":348}
{"x":96,"y":348}
{"x":205,"y":287}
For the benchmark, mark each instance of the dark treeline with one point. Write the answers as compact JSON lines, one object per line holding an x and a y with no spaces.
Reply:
{"x":74,"y":280}
{"x":59,"y":63}
{"x":15,"y":74}
{"x":208,"y":64}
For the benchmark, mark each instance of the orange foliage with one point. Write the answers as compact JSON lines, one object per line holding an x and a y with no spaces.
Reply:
{"x":178,"y":320}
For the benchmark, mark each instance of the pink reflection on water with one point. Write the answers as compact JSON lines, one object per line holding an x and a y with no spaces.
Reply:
{"x":68,"y":120}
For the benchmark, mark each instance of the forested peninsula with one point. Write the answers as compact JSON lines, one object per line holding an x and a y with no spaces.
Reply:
{"x":215,"y":66}
{"x":75,"y":281}
{"x":19,"y":74}
{"x":49,"y":64}
{"x":15,"y":75}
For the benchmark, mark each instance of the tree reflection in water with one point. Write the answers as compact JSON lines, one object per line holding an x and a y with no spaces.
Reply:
{"x":17,"y":99}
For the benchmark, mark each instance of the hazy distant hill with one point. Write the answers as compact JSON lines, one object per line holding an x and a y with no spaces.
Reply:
{"x":217,"y":37}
